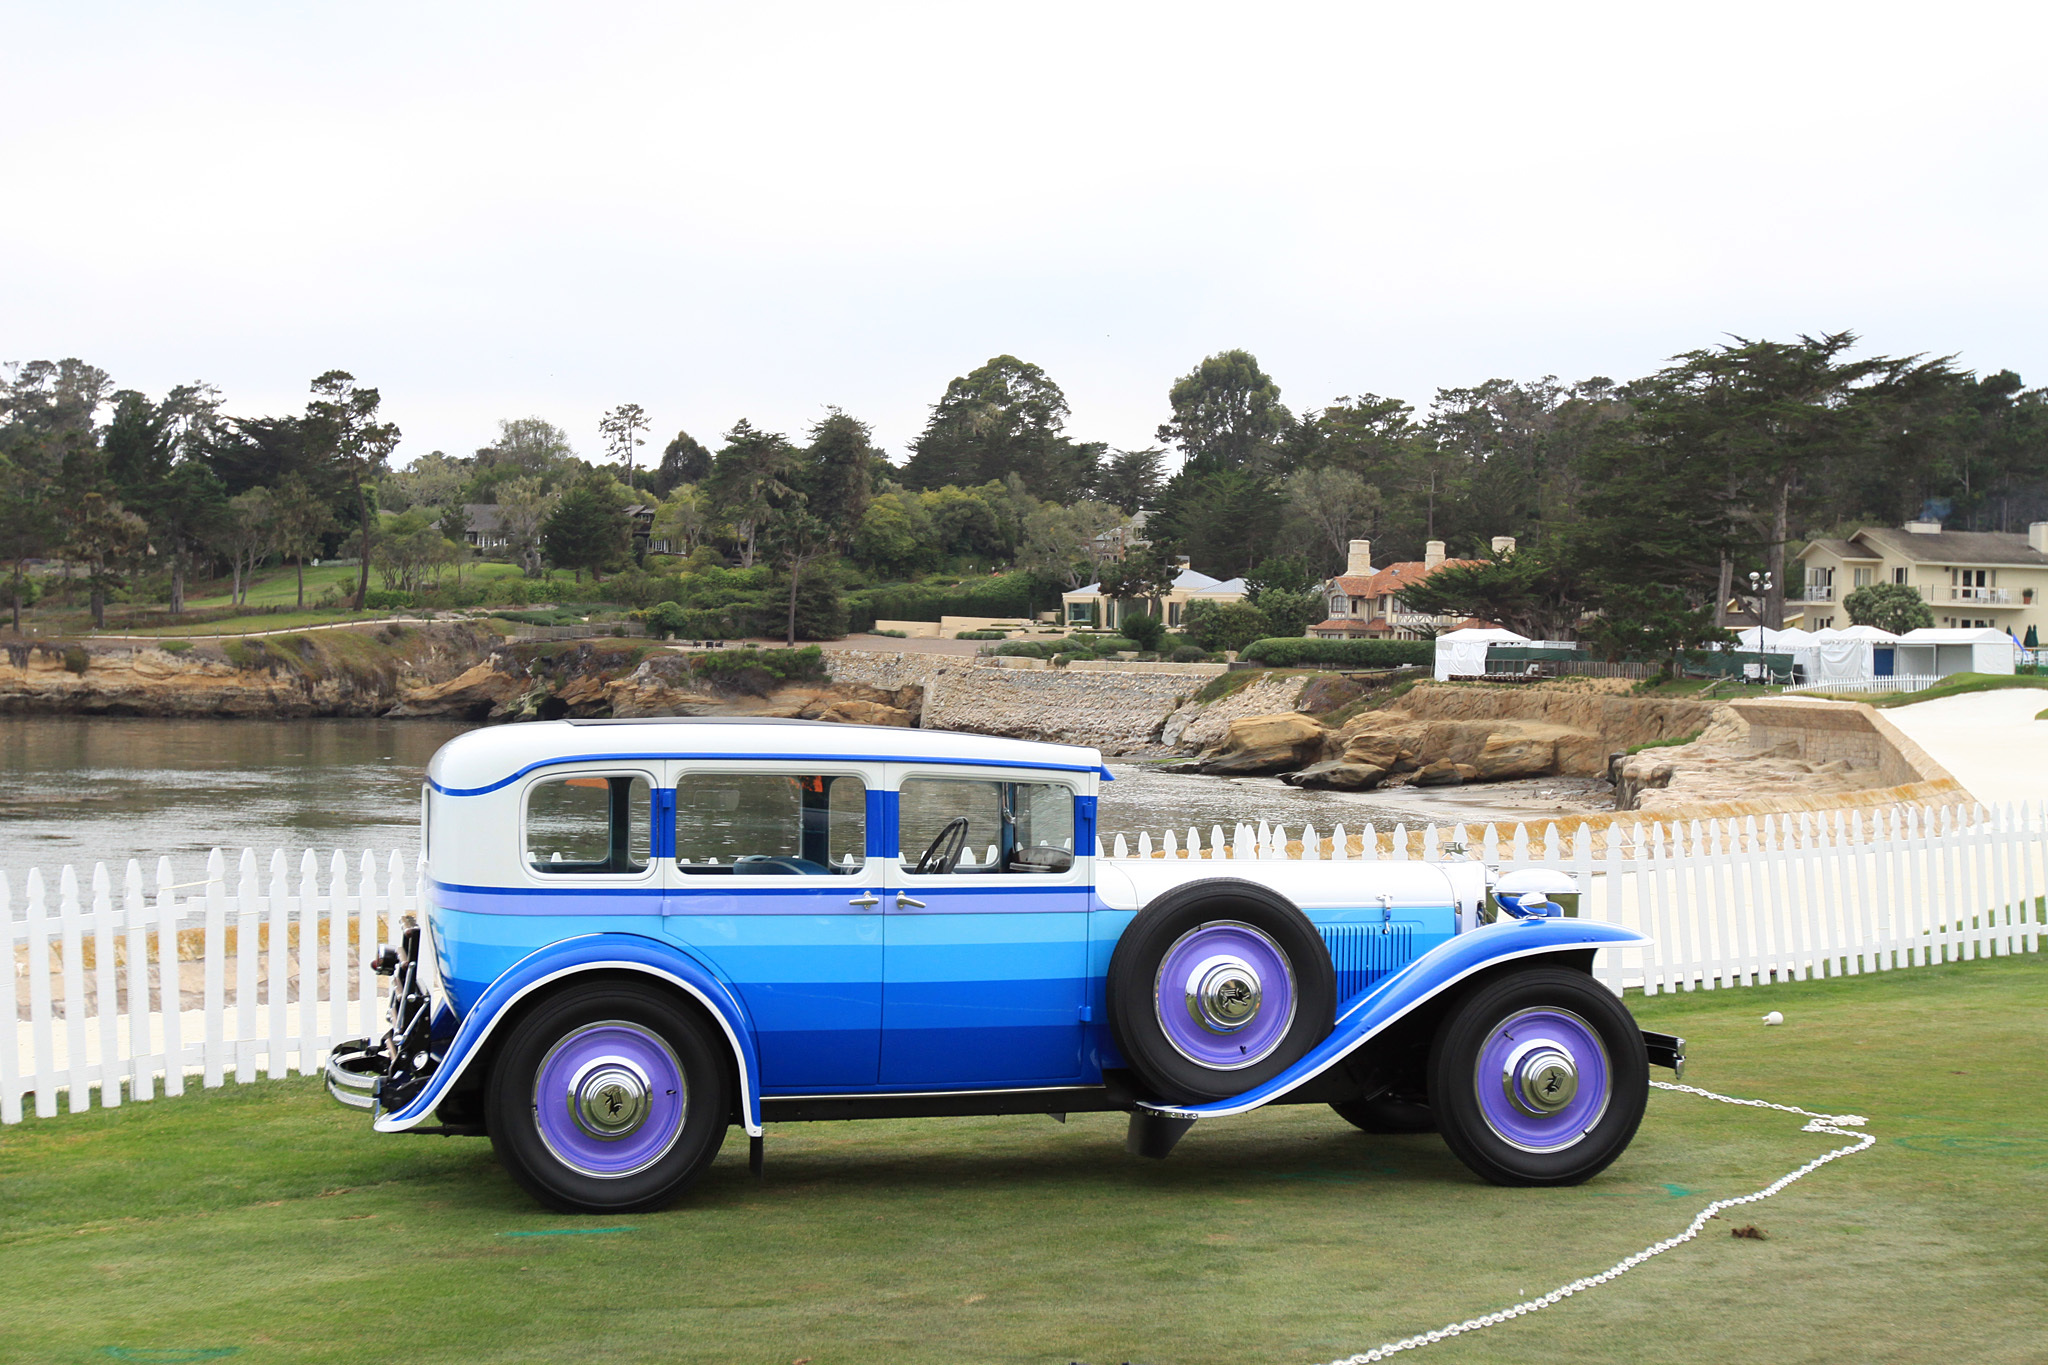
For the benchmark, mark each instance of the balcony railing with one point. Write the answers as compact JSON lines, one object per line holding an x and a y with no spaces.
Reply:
{"x":1820,"y":592}
{"x":1997,"y":595}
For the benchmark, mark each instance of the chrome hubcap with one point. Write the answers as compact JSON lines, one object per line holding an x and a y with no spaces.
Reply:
{"x":1223,"y":994}
{"x":609,"y":1098}
{"x":1540,"y":1078}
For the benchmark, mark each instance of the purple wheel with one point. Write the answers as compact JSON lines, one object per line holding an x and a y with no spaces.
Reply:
{"x":1224,"y":995}
{"x":609,"y":1097}
{"x":1217,"y":986}
{"x":1543,"y":1079}
{"x":1539,"y":1077}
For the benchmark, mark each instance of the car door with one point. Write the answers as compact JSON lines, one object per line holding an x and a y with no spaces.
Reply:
{"x":772,"y":880}
{"x":984,"y":964}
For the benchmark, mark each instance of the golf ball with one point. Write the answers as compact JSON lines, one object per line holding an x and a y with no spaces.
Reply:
{"x":1774,"y":1018}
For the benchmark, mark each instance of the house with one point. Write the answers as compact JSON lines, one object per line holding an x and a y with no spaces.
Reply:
{"x":1112,"y":545}
{"x":1970,"y":579}
{"x":1365,"y":603}
{"x":1088,"y":606}
{"x":486,"y":527}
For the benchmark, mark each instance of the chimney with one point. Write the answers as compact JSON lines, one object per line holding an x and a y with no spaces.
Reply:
{"x":1503,"y":545}
{"x":2037,"y":537}
{"x":1359,"y":564}
{"x":1924,"y":528}
{"x":1432,"y":554}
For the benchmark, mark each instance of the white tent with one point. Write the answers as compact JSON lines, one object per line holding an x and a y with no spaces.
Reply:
{"x":1800,"y":644}
{"x":1462,"y":653}
{"x":1854,"y":655}
{"x":1936,"y":653}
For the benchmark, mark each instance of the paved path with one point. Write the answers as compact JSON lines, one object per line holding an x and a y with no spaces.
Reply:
{"x":1990,"y":741}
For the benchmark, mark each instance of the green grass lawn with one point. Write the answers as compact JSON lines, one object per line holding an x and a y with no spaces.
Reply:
{"x":253,"y":625}
{"x":266,"y":1219}
{"x":279,"y":587}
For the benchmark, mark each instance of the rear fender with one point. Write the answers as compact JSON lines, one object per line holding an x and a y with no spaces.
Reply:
{"x":1424,"y":979}
{"x":576,"y":956}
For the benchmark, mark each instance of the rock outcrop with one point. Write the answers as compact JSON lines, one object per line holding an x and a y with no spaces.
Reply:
{"x":1258,"y":745}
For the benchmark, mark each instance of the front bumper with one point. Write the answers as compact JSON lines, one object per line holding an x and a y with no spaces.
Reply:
{"x":386,"y":1072}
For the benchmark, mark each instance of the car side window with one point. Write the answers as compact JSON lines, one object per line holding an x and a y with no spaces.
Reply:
{"x":588,"y":823}
{"x":967,"y":825}
{"x":770,"y":824}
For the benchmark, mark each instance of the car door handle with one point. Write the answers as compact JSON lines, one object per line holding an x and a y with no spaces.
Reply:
{"x":865,"y":900}
{"x":910,"y":902}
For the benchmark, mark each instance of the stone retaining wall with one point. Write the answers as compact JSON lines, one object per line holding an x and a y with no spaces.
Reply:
{"x":1824,"y":731}
{"x":1115,"y":711}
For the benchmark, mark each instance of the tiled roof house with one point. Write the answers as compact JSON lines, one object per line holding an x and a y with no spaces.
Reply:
{"x":1365,"y":603}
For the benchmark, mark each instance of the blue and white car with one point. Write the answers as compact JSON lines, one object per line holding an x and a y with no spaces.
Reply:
{"x":640,"y":933}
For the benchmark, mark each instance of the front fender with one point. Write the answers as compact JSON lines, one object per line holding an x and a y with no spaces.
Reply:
{"x":1429,"y":975}
{"x":591,"y":952}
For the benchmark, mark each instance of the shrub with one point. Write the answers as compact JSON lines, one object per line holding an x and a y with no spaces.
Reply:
{"x":386,"y":599}
{"x":983,"y":635}
{"x":177,"y":647}
{"x":789,"y":665}
{"x":76,"y":660}
{"x":1190,"y":654}
{"x":892,"y":634}
{"x":1145,"y":629}
{"x":1112,"y":644}
{"x":1226,"y":625}
{"x":1030,"y":649}
{"x":1285,"y":653}
{"x":664,"y":620}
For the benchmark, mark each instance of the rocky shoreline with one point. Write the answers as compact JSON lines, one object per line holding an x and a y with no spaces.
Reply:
{"x":1662,"y":756}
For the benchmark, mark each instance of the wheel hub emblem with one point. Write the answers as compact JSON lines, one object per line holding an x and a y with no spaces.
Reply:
{"x":1540,"y":1078}
{"x":609,"y":1098}
{"x":1223,"y":994}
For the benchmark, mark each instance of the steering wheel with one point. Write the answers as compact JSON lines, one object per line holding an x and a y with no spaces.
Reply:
{"x":942,"y":854}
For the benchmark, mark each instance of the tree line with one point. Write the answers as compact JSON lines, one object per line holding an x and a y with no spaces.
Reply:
{"x":1637,"y":505}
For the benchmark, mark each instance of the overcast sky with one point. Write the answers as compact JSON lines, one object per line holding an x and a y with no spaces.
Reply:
{"x":758,"y":210}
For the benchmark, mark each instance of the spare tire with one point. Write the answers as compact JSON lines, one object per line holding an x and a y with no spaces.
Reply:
{"x":1216,"y":987}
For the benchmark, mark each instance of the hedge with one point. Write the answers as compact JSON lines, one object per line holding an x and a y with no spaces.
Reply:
{"x":1006,"y":597}
{"x":1285,"y":653}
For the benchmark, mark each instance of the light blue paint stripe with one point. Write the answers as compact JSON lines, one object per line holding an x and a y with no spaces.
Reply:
{"x":1099,"y":770}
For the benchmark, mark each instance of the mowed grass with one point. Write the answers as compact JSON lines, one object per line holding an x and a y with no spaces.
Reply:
{"x":265,"y":1219}
{"x":279,"y":587}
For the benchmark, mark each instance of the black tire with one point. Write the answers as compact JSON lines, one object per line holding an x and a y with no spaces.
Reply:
{"x":1164,"y":1069}
{"x":1386,"y":1116}
{"x":1565,"y":1156}
{"x":512,"y":1104}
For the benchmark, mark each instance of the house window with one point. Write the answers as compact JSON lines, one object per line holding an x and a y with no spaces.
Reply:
{"x":1173,"y":615}
{"x":1899,"y":576}
{"x":1863,"y":577}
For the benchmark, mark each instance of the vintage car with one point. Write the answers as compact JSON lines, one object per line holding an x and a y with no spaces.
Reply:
{"x":638,"y":933}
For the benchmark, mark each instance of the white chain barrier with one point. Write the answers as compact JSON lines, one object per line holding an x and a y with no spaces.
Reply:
{"x":1838,"y":1125}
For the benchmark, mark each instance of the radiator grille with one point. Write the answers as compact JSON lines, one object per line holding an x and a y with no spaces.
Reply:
{"x":1363,"y":955}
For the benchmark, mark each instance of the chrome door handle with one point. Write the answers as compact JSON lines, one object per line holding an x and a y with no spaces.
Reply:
{"x":865,"y":900}
{"x":903,"y":900}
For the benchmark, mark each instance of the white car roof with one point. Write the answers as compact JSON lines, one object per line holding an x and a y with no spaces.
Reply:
{"x":484,"y":760}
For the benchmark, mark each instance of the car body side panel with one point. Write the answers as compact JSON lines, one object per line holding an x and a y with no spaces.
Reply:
{"x":1443,"y":967}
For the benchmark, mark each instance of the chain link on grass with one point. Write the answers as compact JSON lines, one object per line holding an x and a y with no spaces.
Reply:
{"x":1837,"y":1124}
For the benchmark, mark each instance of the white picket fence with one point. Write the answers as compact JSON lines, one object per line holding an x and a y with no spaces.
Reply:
{"x":258,"y":974}
{"x":1739,"y":902}
{"x":280,"y":972}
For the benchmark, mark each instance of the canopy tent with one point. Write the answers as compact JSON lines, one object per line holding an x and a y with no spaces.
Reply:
{"x":1934,"y":652}
{"x":1462,"y":653}
{"x":1800,"y":644}
{"x":1854,"y":655}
